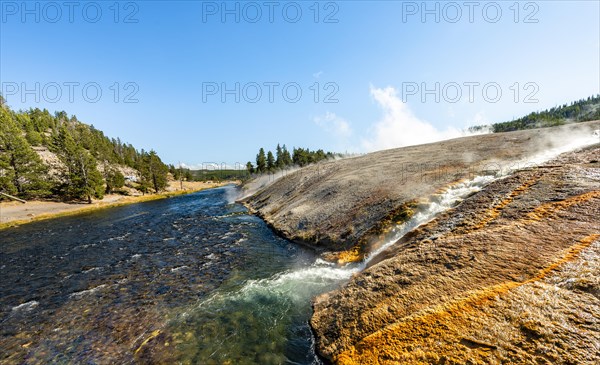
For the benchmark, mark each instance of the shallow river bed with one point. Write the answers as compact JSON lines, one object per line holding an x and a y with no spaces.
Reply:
{"x":191,"y":279}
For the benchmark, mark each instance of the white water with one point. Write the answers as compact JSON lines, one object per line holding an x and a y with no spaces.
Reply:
{"x":300,"y":284}
{"x":295,"y":286}
{"x":438,"y":204}
{"x":26,"y":306}
{"x":276,"y":299}
{"x":260,"y":313}
{"x":455,"y":193}
{"x":79,"y":294}
{"x":306,"y":281}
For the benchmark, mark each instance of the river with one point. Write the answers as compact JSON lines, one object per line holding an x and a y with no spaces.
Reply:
{"x":190,"y":279}
{"x":193,"y":279}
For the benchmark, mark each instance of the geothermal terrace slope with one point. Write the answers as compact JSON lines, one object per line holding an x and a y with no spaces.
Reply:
{"x":511,"y":276}
{"x":349,"y":203}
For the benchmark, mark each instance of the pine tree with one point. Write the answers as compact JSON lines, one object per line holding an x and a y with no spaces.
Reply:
{"x":22,"y":169}
{"x":301,"y":157}
{"x":250,"y":167}
{"x":176,"y":172}
{"x":83,"y":180}
{"x":34,"y":138}
{"x":6,"y":174}
{"x":114,"y":179}
{"x":270,"y":162}
{"x":80,"y":178}
{"x":154,"y":172}
{"x":286,"y":158}
{"x":279,"y":157}
{"x":261,"y":161}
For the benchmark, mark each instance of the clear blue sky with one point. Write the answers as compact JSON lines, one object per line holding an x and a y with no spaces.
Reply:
{"x":369,"y":54}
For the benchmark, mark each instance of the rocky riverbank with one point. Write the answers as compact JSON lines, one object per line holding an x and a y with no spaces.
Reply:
{"x":511,"y":275}
{"x":348,"y":205}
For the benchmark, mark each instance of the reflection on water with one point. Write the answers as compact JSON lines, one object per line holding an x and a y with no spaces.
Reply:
{"x":191,"y":279}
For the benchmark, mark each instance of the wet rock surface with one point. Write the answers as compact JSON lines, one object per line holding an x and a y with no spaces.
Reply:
{"x":339,"y":205}
{"x":510,"y":275}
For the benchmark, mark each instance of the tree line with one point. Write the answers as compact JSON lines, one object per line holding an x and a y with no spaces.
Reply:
{"x":282,"y":159}
{"x":89,"y":160}
{"x":578,"y":111}
{"x":208,"y":174}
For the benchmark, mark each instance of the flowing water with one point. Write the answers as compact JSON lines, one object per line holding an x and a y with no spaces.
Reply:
{"x":192,"y":279}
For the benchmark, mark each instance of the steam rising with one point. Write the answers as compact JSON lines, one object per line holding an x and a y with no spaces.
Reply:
{"x":399,"y":127}
{"x":568,"y":140}
{"x":257,"y":184}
